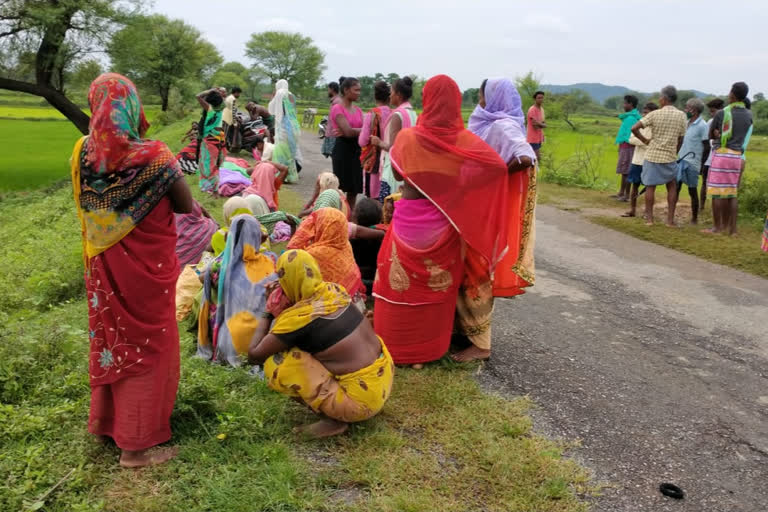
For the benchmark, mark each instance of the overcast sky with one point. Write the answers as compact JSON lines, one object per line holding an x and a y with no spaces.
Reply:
{"x":642,"y":45}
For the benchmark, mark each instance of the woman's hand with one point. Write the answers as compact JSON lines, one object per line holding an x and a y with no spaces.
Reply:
{"x":375,"y":141}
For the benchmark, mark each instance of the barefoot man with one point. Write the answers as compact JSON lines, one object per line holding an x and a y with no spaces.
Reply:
{"x":668,"y":125}
{"x":731,"y":129}
{"x":628,"y":118}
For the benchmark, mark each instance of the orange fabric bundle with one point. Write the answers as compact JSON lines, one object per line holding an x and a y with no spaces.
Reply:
{"x":324,"y":235}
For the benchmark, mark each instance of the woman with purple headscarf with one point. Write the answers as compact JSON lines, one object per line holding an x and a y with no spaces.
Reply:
{"x":498,"y":120}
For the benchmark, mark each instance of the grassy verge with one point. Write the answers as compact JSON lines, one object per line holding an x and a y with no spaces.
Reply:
{"x":741,"y":251}
{"x":440,"y":443}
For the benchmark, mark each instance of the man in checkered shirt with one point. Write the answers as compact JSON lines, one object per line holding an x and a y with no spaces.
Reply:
{"x":668,"y":126}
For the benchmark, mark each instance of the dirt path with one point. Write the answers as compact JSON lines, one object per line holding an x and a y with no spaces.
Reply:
{"x":654,"y":360}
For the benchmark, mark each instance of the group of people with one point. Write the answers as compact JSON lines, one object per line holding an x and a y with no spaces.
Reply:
{"x":669,"y":147}
{"x":206,"y":152}
{"x":303,"y":317}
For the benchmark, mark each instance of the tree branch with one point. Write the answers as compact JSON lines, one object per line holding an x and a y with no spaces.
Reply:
{"x":13,"y":31}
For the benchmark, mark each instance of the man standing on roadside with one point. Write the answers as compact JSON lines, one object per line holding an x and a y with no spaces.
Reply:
{"x":668,"y":125}
{"x":629,"y":117}
{"x":714,"y":106}
{"x":536,"y":124}
{"x":695,"y":148}
{"x":228,"y":115}
{"x":731,"y":129}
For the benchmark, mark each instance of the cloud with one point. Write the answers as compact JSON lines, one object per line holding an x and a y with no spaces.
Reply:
{"x":282,"y":24}
{"x":331,"y":47}
{"x":511,"y":43}
{"x":547,"y":23}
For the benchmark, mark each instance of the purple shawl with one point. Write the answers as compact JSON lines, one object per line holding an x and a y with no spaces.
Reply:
{"x":500,"y":123}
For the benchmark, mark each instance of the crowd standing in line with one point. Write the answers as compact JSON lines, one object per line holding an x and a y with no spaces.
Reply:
{"x":304,"y":318}
{"x":673,"y":148}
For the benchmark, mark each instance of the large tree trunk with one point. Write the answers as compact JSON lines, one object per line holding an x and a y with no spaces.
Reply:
{"x":46,"y":70}
{"x":54,"y":97}
{"x":164,"y":93}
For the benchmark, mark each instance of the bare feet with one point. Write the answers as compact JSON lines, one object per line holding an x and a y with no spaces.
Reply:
{"x":710,"y":231}
{"x":628,"y":214}
{"x":417,"y":366}
{"x":471,"y":354}
{"x":326,"y":427}
{"x":670,"y":224}
{"x":150,"y":457}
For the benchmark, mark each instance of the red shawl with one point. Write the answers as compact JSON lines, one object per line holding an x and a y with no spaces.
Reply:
{"x":117,"y":127}
{"x":369,"y":154}
{"x":456,"y":170}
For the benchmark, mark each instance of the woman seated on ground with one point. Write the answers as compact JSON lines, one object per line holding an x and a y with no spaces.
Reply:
{"x":318,"y":349}
{"x":365,"y":236}
{"x":325,"y":235}
{"x":266,"y":180}
{"x":193,"y":234}
{"x":454,"y":196}
{"x":262,"y":151}
{"x":233,"y":206}
{"x":326,"y":195}
{"x":234,"y":293}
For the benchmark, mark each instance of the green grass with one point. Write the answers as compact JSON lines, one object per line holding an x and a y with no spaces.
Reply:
{"x":440,"y":443}
{"x":741,"y":252}
{"x":564,"y":152}
{"x":35,"y":153}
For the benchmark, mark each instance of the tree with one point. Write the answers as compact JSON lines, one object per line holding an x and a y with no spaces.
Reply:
{"x":159,"y":53}
{"x":760,"y":109}
{"x":571,"y":103}
{"x":228,"y":80}
{"x":682,"y":98}
{"x":58,"y":32}
{"x":289,"y":56}
{"x":614,"y":102}
{"x":85,"y":72}
{"x":759,"y":97}
{"x":469,"y":98}
{"x":527,"y":85}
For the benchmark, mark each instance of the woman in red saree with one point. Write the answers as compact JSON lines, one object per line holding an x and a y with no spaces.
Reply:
{"x":453,"y":203}
{"x":126,"y":190}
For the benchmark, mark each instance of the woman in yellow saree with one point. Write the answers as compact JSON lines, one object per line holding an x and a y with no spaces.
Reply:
{"x":319,"y":350}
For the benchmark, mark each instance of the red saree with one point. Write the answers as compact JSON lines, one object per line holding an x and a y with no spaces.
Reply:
{"x":465,"y":180}
{"x":120,"y":184}
{"x":416,"y":286}
{"x":515,"y":271}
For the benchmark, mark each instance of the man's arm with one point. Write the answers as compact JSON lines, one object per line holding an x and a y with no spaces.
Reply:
{"x":637,"y":133}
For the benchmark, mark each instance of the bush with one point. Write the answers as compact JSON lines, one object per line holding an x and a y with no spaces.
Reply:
{"x":41,"y":250}
{"x":580,"y":169}
{"x":753,"y":197}
{"x":761,"y":127}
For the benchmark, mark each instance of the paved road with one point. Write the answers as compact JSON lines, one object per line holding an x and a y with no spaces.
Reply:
{"x":654,"y":360}
{"x":314,"y":163}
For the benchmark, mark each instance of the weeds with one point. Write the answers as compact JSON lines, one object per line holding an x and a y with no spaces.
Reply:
{"x":582,"y":168}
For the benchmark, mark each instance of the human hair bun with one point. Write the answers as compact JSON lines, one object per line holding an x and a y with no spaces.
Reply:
{"x":408,"y":80}
{"x":341,"y":79}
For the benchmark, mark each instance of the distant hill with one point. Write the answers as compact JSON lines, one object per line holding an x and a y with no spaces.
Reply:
{"x":599,"y":92}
